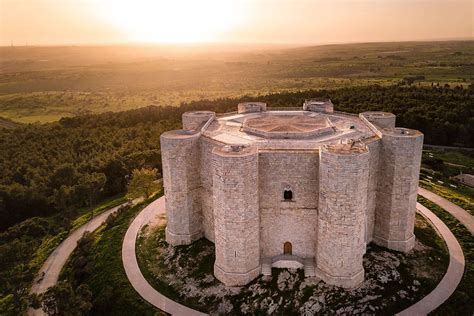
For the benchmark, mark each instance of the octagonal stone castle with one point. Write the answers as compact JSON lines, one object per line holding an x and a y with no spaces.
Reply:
{"x":306,"y":188}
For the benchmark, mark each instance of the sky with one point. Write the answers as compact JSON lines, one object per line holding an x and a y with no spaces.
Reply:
{"x":95,"y":22}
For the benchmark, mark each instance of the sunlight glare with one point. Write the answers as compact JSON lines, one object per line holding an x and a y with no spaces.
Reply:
{"x":175,"y":21}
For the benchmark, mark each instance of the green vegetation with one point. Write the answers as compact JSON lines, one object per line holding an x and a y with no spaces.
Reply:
{"x":143,"y":183}
{"x":46,"y":83}
{"x":185,"y":274}
{"x":61,"y":299}
{"x":438,"y":168}
{"x":25,"y":246}
{"x":461,"y":302}
{"x":97,"y":263}
{"x":77,"y":161}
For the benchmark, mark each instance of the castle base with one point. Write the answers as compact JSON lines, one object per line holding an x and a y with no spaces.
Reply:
{"x":235,"y":279}
{"x":178,"y":240}
{"x":342,"y":281}
{"x":398,"y":245}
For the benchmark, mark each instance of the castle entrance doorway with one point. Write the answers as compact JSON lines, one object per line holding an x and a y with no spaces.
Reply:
{"x":287,"y":248}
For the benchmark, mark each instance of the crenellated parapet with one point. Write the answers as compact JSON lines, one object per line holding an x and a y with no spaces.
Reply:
{"x":181,"y":180}
{"x":399,"y":168}
{"x":193,"y":120}
{"x":236,"y":214}
{"x":343,"y":184}
{"x":251,"y":107}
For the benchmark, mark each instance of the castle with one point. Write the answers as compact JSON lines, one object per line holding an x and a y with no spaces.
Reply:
{"x":303,"y":188}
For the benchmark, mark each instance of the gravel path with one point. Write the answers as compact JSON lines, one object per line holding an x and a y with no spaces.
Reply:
{"x":52,"y":267}
{"x":461,"y":214}
{"x":49,"y":272}
{"x":136,"y":278}
{"x":453,"y":275}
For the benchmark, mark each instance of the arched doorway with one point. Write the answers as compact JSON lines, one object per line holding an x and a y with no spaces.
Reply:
{"x":287,"y":248}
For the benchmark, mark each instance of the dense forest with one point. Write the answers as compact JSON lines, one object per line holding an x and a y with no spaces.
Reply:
{"x":76,"y":162}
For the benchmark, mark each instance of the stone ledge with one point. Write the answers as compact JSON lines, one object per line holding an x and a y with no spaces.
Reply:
{"x":398,"y":245}
{"x":178,"y":240}
{"x":235,"y":279}
{"x":342,"y":281}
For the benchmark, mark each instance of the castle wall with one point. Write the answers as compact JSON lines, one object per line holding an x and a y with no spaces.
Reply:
{"x":400,"y":159}
{"x":380,"y":119}
{"x":250,"y":107}
{"x":193,"y":120}
{"x":207,"y":202}
{"x":181,"y":180}
{"x":288,"y":221}
{"x":236,"y":215}
{"x":374,"y":152}
{"x":344,"y":179}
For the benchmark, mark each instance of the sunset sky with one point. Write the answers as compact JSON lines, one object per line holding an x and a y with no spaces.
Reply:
{"x":56,"y":22}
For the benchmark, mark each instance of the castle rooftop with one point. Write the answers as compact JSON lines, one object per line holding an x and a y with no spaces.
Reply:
{"x":287,"y":129}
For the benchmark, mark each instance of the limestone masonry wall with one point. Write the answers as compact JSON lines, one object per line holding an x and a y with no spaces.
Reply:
{"x":374,"y":151}
{"x":381,"y":119}
{"x":346,"y":191}
{"x":318,"y":105}
{"x":288,"y":221}
{"x":182,"y":183}
{"x":400,"y":159}
{"x":192,"y":120}
{"x":250,"y":107}
{"x":344,"y":178}
{"x":207,"y":188}
{"x":236,"y":215}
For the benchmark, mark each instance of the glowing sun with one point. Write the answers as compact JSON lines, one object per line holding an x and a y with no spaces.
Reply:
{"x":174,"y":21}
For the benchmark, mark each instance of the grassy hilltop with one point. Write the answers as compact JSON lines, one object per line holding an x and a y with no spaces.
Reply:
{"x":43,"y":84}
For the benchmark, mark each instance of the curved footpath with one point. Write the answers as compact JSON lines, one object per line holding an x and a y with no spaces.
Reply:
{"x":451,"y":278}
{"x":461,"y":214}
{"x":130,"y":263}
{"x":429,"y":303}
{"x":49,"y":273}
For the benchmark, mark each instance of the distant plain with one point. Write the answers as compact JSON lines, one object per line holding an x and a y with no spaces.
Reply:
{"x":43,"y":84}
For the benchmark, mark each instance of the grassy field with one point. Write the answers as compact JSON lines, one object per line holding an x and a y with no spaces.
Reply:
{"x":42,"y":84}
{"x":438,"y":168}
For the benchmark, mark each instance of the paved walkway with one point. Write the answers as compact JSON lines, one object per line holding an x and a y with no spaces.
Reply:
{"x":49,"y":273}
{"x":429,"y":303}
{"x":462,"y":215}
{"x":136,"y":278}
{"x":453,"y":275}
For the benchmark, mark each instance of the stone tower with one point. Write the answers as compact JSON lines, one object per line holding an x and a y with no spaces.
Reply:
{"x":181,"y":181}
{"x":306,"y":188}
{"x":400,"y":159}
{"x":343,"y":178}
{"x":236,"y":214}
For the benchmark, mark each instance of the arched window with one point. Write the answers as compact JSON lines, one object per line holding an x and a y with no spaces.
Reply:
{"x":287,"y":248}
{"x":287,"y":194}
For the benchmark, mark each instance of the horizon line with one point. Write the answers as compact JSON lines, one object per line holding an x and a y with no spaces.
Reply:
{"x":184,"y":44}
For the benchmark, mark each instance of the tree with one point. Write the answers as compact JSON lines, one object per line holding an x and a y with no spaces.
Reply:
{"x":143,"y":183}
{"x":61,"y":299}
{"x":90,"y":186}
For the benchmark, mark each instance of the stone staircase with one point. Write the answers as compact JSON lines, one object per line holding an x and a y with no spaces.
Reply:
{"x":288,"y":261}
{"x":309,"y":270}
{"x":267,"y":266}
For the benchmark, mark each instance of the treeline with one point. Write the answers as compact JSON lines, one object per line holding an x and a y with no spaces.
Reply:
{"x":45,"y":169}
